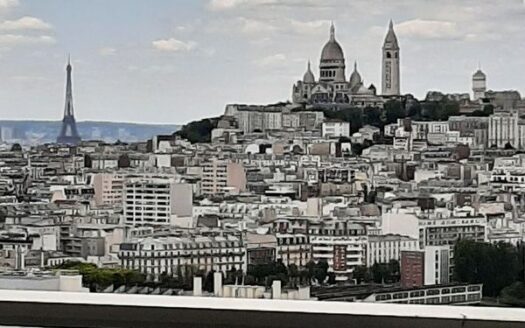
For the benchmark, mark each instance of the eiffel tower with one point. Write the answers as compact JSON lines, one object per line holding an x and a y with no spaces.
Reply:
{"x":69,"y":133}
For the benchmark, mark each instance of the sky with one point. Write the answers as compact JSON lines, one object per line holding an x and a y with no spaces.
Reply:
{"x":173,"y":61}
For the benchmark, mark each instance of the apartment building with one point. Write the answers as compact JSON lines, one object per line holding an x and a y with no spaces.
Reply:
{"x":174,"y":255}
{"x":156,"y":201}
{"x":341,"y":244}
{"x":293,"y":249}
{"x":222,"y":176}
{"x":335,"y":129}
{"x":385,"y":248}
{"x":447,"y":231}
{"x":108,"y":188}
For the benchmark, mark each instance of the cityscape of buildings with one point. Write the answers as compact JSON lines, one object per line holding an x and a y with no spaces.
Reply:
{"x":346,"y":193}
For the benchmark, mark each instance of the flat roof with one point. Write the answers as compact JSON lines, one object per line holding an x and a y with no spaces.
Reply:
{"x":292,"y":306}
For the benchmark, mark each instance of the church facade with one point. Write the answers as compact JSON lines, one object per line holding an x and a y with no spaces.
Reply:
{"x":333,"y":87}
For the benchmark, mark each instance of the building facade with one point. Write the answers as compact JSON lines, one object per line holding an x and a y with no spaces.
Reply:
{"x":156,"y":201}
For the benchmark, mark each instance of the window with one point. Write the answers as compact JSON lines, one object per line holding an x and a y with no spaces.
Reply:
{"x":388,"y":54}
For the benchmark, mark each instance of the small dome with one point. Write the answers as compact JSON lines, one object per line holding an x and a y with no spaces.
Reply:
{"x":332,"y":50}
{"x":355,"y":78}
{"x":308,"y":76}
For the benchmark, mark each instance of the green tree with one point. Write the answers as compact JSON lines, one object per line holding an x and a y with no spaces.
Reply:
{"x":321,"y":271}
{"x":394,"y":110}
{"x":494,"y":265}
{"x":361,"y":274}
{"x":198,"y":131}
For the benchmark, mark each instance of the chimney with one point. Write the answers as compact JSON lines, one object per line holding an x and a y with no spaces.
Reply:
{"x":217,"y":284}
{"x":276,"y":289}
{"x":197,"y":286}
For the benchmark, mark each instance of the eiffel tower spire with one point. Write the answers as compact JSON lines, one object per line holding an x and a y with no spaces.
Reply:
{"x":68,"y":132}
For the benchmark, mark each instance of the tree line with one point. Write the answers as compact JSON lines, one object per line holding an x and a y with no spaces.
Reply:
{"x":499,"y":267}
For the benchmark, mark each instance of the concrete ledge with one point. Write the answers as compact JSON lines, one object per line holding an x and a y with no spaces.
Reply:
{"x":55,"y":309}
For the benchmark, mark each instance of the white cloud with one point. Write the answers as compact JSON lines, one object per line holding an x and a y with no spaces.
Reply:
{"x":24,"y":23}
{"x":5,"y":4}
{"x":255,"y":27}
{"x":173,"y":45}
{"x":11,"y":40}
{"x":230,"y":4}
{"x":219,"y":5}
{"x":271,"y":61}
{"x":428,"y":29}
{"x":107,"y":51}
{"x":309,"y":27}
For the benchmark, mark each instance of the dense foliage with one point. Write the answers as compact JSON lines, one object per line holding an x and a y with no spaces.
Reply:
{"x":97,"y":279}
{"x":378,"y":273}
{"x":494,"y":265}
{"x":198,"y":131}
{"x":394,"y":110}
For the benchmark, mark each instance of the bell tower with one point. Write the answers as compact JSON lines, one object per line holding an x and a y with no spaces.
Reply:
{"x":390,"y":68}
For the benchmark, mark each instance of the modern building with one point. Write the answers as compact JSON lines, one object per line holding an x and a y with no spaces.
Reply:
{"x":222,"y":177}
{"x":430,"y":266}
{"x":109,"y":188}
{"x":385,"y":248}
{"x":412,"y":269}
{"x":437,"y":265}
{"x":156,"y":201}
{"x":341,"y":244}
{"x":447,"y":231}
{"x":457,"y":294}
{"x":335,"y":129}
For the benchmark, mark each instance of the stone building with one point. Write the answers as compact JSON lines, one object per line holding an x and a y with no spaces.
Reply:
{"x":332,"y":87}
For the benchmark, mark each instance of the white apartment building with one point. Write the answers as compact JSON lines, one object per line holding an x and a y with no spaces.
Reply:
{"x":508,"y":173}
{"x":437,"y":265}
{"x":342,"y":253}
{"x":384,"y":248}
{"x":447,"y":231}
{"x":172,"y":255}
{"x":222,"y":176}
{"x":156,"y":201}
{"x":506,"y":128}
{"x":335,"y":129}
{"x":340,"y":243}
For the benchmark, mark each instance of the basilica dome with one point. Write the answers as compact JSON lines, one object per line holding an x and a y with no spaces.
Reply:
{"x":332,"y":50}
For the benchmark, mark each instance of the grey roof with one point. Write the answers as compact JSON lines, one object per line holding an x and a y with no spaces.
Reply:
{"x":391,"y":38}
{"x":309,"y":76}
{"x":332,"y":50}
{"x":355,"y":78}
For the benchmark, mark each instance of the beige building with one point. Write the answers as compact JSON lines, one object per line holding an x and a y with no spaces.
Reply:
{"x":222,"y":176}
{"x":108,"y":188}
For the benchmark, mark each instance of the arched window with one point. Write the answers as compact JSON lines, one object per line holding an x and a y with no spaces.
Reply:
{"x":388,"y":54}
{"x":395,"y":56}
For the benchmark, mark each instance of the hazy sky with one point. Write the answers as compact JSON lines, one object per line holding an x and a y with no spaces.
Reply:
{"x":172,"y":61}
